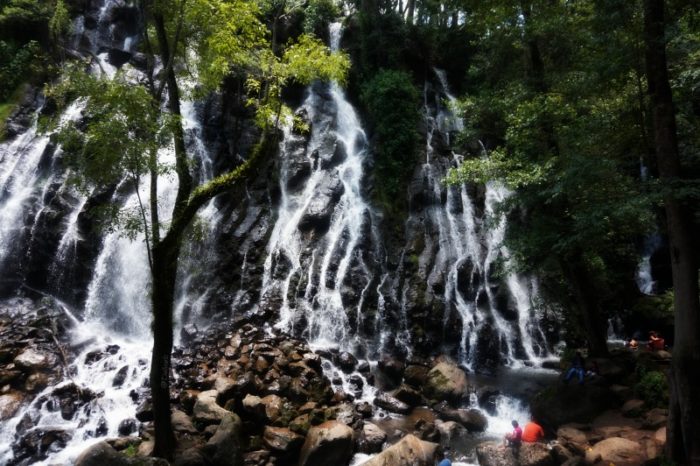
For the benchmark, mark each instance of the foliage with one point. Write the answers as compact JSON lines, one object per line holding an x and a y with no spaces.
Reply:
{"x":118,"y":128}
{"x":392,"y":103}
{"x":16,"y":64}
{"x":652,"y":387}
{"x":59,"y":24}
{"x":318,"y":14}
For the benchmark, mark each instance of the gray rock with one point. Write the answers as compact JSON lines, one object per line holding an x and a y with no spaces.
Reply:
{"x":182,"y":422}
{"x":224,"y":447}
{"x":33,"y":360}
{"x":206,"y":410}
{"x":319,"y":210}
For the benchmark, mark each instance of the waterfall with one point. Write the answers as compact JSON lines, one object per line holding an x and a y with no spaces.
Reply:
{"x":315,"y":243}
{"x":470,"y":256}
{"x":113,"y":328}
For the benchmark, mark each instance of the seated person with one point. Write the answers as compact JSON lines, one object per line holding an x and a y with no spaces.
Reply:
{"x":532,"y":432}
{"x":444,"y":460}
{"x":514,"y":438}
{"x":578,"y":368}
{"x":655,"y":341}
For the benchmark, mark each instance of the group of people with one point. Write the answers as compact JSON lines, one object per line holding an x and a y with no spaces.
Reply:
{"x":655,"y":343}
{"x":531,"y":433}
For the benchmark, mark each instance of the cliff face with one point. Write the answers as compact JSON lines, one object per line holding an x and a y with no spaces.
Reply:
{"x":300,"y":245}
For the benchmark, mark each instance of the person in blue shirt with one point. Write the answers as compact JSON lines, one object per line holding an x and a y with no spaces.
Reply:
{"x":445,"y":461}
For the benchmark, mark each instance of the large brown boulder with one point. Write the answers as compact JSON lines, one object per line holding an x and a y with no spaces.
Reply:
{"x":446,"y":381}
{"x":616,"y":450}
{"x":282,"y":439}
{"x":9,"y":405}
{"x":572,"y":438}
{"x":409,"y":451}
{"x":328,"y":443}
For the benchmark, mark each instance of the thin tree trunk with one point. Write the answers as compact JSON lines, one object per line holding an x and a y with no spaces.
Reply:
{"x":683,"y":433}
{"x":164,"y":273}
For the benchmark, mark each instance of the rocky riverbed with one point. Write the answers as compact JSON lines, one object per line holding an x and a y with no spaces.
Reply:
{"x":246,"y":395}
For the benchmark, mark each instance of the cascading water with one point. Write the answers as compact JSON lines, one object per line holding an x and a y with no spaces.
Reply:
{"x":644,"y":279}
{"x":113,"y":331}
{"x":315,"y":244}
{"x":468,"y":254}
{"x":317,"y":266}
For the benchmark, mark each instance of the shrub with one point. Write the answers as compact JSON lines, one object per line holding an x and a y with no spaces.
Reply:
{"x":653,"y":388}
{"x":392,"y":103}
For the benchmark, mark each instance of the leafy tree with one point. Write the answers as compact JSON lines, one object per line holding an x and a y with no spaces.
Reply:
{"x":566,"y":131}
{"x":126,"y":125}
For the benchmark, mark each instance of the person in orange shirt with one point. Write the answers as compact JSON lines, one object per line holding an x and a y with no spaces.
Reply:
{"x":532,"y":432}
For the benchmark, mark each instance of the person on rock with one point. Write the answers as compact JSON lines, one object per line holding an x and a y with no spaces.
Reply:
{"x":532,"y":432}
{"x":444,"y":461}
{"x":578,"y":368}
{"x":513,"y":439}
{"x":655,"y":341}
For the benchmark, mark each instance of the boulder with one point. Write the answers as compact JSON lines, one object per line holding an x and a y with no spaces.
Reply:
{"x":224,"y":447}
{"x":408,"y":395}
{"x":493,"y":454}
{"x":282,"y":439}
{"x":101,"y":454}
{"x":206,"y":410}
{"x":563,"y":404}
{"x":633,"y":408}
{"x":472,"y":419}
{"x":446,"y":381}
{"x":9,"y":405}
{"x":449,"y":429}
{"x":128,"y":426}
{"x":416,"y":375}
{"x":409,"y":451}
{"x":347,"y":362}
{"x":392,"y":368}
{"x":182,"y":422}
{"x":573,"y":439}
{"x":371,"y":438}
{"x":535,"y":454}
{"x":616,"y":450}
{"x":391,"y":404}
{"x":655,"y":418}
{"x":34,"y":360}
{"x":328,"y":443}
{"x":267,"y":409}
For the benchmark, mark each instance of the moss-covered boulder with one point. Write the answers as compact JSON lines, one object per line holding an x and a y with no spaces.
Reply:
{"x":446,"y":381}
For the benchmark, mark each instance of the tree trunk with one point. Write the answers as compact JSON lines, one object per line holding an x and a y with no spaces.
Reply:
{"x":683,"y":444}
{"x":584,"y":295}
{"x":164,"y":273}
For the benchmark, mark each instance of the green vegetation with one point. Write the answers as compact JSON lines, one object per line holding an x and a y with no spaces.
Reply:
{"x":392,"y":104}
{"x":652,"y":387}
